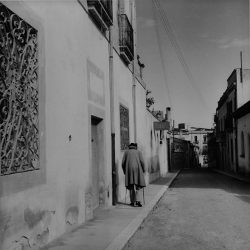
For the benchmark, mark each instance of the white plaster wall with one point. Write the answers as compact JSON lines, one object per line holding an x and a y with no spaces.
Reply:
{"x":243,"y":89}
{"x":141,"y":125}
{"x":69,"y":38}
{"x":155,"y":153}
{"x":243,"y":124}
{"x":123,"y":81}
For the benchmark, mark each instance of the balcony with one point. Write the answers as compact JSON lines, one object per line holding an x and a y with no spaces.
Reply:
{"x":126,"y":39}
{"x":101,"y":13}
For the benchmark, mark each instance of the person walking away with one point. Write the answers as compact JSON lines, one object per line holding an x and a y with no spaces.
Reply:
{"x":134,"y":168}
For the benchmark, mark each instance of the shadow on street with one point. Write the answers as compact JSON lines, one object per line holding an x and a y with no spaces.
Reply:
{"x":208,"y":179}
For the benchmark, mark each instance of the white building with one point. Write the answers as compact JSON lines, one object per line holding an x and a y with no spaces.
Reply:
{"x":242,"y":118}
{"x":70,"y":101}
{"x":233,"y":124}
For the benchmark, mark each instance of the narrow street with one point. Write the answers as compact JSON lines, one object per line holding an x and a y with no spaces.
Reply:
{"x":201,"y":210}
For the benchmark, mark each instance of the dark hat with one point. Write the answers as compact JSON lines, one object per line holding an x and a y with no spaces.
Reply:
{"x":132,"y":145}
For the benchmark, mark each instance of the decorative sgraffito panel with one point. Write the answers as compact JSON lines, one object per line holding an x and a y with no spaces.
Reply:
{"x":124,"y":127}
{"x":19,"y":121}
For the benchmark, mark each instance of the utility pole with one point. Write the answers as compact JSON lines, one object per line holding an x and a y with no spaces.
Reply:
{"x":241,"y":69}
{"x":172,"y":161}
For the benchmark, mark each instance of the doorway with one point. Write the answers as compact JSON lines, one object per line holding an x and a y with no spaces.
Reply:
{"x":96,"y":159}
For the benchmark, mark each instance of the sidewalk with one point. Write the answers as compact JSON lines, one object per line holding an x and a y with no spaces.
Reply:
{"x":237,"y":176}
{"x":112,"y":227}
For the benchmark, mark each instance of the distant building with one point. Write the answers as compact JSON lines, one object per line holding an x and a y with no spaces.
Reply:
{"x":233,"y":124}
{"x":198,"y":137}
{"x":242,"y":120}
{"x":225,"y":125}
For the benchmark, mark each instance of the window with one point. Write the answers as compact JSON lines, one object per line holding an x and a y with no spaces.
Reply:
{"x":124,"y":127}
{"x":19,"y":100}
{"x":101,"y":11}
{"x":195,"y":139}
{"x":126,"y":39}
{"x":242,"y":145}
{"x":204,"y":139}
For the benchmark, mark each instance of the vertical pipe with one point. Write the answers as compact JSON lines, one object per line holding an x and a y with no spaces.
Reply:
{"x":133,"y":70}
{"x":241,"y":69}
{"x":134,"y":106}
{"x":112,"y":119}
{"x":236,"y":132}
{"x":172,"y":165}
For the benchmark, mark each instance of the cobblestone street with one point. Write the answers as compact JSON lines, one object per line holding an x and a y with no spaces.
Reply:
{"x":202,"y":210}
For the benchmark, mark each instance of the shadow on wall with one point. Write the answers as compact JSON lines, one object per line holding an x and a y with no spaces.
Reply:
{"x":153,"y":164}
{"x":37,"y":229}
{"x":4,"y":225}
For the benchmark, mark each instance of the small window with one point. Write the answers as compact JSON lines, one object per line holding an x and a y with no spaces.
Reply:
{"x":204,"y":139}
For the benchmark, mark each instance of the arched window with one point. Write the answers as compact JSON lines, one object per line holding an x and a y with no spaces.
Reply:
{"x":242,"y":145}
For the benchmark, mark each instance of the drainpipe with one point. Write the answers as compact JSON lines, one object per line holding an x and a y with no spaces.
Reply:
{"x":133,"y":70}
{"x":112,"y":116}
{"x":134,"y":104}
{"x":236,"y":129}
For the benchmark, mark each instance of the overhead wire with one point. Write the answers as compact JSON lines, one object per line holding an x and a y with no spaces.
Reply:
{"x":173,"y":41}
{"x":161,"y":52}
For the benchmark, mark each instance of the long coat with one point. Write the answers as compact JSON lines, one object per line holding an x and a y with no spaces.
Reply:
{"x":133,"y":168}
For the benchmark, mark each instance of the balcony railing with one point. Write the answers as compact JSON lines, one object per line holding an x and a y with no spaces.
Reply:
{"x":102,"y":13}
{"x":126,"y":39}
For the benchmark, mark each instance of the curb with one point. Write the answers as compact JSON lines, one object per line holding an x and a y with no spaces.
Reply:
{"x":121,"y":240}
{"x":231,"y":175}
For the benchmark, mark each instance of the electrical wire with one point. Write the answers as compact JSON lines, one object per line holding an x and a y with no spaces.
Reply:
{"x":173,"y":41}
{"x":161,"y":52}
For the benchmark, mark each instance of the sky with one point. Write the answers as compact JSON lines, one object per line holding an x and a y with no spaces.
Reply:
{"x":209,"y":35}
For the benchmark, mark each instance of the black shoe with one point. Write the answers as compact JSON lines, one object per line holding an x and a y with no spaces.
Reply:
{"x":138,"y":203}
{"x":132,"y":204}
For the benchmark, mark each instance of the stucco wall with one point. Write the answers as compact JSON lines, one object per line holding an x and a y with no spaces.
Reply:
{"x":243,"y":124}
{"x":155,"y":150}
{"x":243,"y":88}
{"x":38,"y":206}
{"x":42,"y":211}
{"x":123,"y":81}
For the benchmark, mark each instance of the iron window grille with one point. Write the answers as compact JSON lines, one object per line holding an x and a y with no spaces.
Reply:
{"x":101,"y":12}
{"x":19,"y":99}
{"x":126,"y":39}
{"x":124,"y":127}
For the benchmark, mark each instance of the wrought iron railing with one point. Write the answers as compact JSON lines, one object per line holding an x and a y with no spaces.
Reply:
{"x":19,"y":97}
{"x":101,"y":11}
{"x":126,"y":38}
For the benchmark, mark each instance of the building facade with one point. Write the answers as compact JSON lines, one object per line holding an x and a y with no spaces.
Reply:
{"x":198,"y":138}
{"x":232,"y":124}
{"x":226,"y":129}
{"x":242,"y":120}
{"x":71,"y":101}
